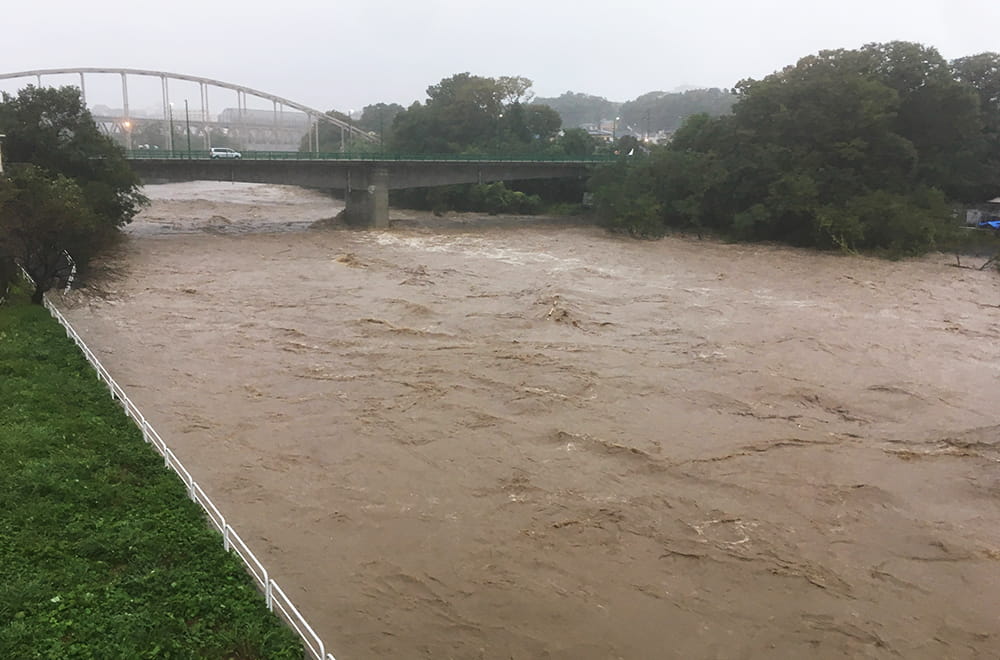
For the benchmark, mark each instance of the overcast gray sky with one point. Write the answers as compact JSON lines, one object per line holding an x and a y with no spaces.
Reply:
{"x":345,"y":55}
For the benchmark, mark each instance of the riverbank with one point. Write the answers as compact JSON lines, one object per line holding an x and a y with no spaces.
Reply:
{"x":102,"y":553}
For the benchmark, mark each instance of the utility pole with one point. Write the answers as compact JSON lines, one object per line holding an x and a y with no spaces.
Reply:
{"x":187,"y":122}
{"x":170,"y":135}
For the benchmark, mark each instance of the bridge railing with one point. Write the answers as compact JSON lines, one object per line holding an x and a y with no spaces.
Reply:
{"x":163,"y":154}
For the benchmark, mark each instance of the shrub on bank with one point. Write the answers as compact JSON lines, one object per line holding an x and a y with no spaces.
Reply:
{"x":489,"y":198}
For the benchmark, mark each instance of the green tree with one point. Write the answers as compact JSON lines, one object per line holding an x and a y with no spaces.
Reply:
{"x":474,"y":114}
{"x":574,"y":142}
{"x":515,"y":89}
{"x":70,"y":188}
{"x":461,"y":114}
{"x":378,"y":118}
{"x":982,"y":73}
{"x":525,"y":129}
{"x":625,"y":199}
{"x":44,"y":218}
{"x":937,"y":114}
{"x":542,"y":122}
{"x":850,"y":149}
{"x":51,"y":128}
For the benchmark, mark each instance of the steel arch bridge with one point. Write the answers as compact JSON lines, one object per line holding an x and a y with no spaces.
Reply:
{"x":244,"y":123}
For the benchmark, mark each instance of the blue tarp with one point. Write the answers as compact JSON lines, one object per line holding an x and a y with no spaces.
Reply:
{"x":989,"y":224}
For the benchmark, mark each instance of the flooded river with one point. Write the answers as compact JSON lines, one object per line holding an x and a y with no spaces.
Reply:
{"x":511,"y":438}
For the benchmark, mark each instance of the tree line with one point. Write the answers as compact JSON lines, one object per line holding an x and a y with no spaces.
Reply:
{"x":462,"y":114}
{"x":856,"y":149}
{"x":466,"y":114}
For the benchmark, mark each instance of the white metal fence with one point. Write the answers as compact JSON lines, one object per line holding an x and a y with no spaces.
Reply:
{"x":276,"y":599}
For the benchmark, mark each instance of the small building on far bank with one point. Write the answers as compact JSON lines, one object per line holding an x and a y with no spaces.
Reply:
{"x":985,"y":212}
{"x":597,"y":132}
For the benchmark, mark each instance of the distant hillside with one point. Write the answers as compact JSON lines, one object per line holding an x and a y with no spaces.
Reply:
{"x":665,"y":111}
{"x":577,"y":109}
{"x":651,"y":113}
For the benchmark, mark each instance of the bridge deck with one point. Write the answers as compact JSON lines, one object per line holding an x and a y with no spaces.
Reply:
{"x":372,"y":157}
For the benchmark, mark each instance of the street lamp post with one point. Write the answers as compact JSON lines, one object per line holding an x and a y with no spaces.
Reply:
{"x":2,"y":136}
{"x":127,"y":127}
{"x":614,"y":130}
{"x":187,"y":123}
{"x":499,"y":117}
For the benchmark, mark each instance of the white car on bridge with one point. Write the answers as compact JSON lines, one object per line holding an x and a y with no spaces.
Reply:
{"x":225,"y":152}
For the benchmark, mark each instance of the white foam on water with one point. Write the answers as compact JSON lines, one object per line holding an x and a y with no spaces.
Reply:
{"x":474,"y":247}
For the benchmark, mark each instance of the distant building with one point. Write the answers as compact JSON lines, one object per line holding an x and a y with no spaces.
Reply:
{"x":598,"y":133}
{"x":609,"y":130}
{"x":283,"y":119}
{"x":985,"y":212}
{"x":660,"y":137}
{"x":265,"y":130}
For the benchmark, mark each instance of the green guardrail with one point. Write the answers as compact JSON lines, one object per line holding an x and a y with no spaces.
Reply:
{"x":163,"y":154}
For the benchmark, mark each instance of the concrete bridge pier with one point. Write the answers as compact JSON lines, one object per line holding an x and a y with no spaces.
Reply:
{"x":367,"y":197}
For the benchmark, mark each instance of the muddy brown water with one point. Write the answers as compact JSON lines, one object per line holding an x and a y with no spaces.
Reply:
{"x":512,"y":438}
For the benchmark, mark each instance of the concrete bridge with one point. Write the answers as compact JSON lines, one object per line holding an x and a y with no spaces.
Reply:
{"x":366,"y":181}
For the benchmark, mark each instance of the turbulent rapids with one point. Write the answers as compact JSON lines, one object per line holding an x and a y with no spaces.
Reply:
{"x":517,"y":438}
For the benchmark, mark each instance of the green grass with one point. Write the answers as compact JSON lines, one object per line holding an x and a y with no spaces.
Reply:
{"x":983,"y":243}
{"x":102,"y":555}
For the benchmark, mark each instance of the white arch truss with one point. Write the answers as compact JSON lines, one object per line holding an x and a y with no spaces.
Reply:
{"x":242,"y":91}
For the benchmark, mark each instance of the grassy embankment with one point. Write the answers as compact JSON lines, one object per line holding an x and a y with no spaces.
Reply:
{"x":101,"y":553}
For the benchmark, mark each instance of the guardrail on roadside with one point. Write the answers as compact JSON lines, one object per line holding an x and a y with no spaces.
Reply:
{"x":164,"y":154}
{"x":276,"y":599}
